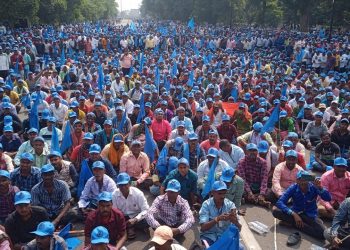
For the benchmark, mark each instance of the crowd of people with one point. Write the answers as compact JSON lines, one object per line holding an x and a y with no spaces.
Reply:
{"x":202,"y":118}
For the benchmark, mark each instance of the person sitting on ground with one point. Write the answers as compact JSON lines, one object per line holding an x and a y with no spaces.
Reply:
{"x":253,"y":170}
{"x":338,"y":231}
{"x":303,"y":212}
{"x":288,"y":145}
{"x":188,"y":179}
{"x":7,"y":195}
{"x":235,"y":187}
{"x":254,"y":136}
{"x":26,"y":176}
{"x":45,"y":193}
{"x":325,"y":153}
{"x":40,"y":154}
{"x":27,"y":216}
{"x":337,"y":182}
{"x":137,"y":165}
{"x":133,"y":203}
{"x":115,"y":150}
{"x":314,"y":130}
{"x":10,"y":141}
{"x":230,"y":153}
{"x":109,"y":217}
{"x":5,"y":160}
{"x":5,"y":241}
{"x":163,"y":239}
{"x":172,"y":210}
{"x":284,"y":175}
{"x":100,"y":240}
{"x":212,"y":141}
{"x":45,"y":239}
{"x":94,"y":186}
{"x":217,"y":214}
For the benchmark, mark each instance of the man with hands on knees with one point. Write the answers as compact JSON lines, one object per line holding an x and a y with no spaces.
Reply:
{"x":303,"y":212}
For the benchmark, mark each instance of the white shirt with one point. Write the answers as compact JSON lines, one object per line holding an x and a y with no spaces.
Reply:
{"x":4,"y":61}
{"x":118,"y":87}
{"x":129,"y":106}
{"x":59,"y":113}
{"x":134,"y":206}
{"x":233,"y":158}
{"x":46,"y":134}
{"x":203,"y":171}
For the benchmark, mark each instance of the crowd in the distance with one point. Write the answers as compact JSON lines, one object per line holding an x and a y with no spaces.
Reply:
{"x":203,"y":118}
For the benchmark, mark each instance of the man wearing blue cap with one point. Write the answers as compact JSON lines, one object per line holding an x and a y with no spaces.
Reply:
{"x":96,"y":184}
{"x":187,"y":178}
{"x":90,"y":125}
{"x":40,"y":154}
{"x":180,"y":116}
{"x":7,"y":194}
{"x":46,"y":132}
{"x":314,"y":130}
{"x":58,"y":110}
{"x":325,"y":153}
{"x":133,"y":203}
{"x":180,"y":131}
{"x":109,"y":217}
{"x":45,"y":239}
{"x":53,"y":195}
{"x":303,"y":212}
{"x":115,"y":150}
{"x":100,"y":240}
{"x":26,"y":176}
{"x":254,"y":136}
{"x":226,"y":130}
{"x":337,"y":182}
{"x":172,"y":210}
{"x":253,"y":170}
{"x":217,"y":214}
{"x":203,"y":130}
{"x":27,"y":216}
{"x":10,"y":141}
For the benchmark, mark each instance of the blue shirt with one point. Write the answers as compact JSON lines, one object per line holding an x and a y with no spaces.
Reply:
{"x":302,"y":203}
{"x":209,"y":211}
{"x":25,"y":183}
{"x":188,"y":123}
{"x":11,"y":145}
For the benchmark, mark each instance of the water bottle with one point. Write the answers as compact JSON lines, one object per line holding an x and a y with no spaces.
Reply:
{"x":258,"y":227}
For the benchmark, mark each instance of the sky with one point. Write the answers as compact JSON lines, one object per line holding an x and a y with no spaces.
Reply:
{"x":129,"y":4}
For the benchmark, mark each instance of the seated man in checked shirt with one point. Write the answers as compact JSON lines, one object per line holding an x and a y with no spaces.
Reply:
{"x":172,"y":210}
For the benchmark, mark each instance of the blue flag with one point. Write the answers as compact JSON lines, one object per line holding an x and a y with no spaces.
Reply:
{"x":85,"y":174}
{"x":33,"y":115}
{"x":132,"y":27}
{"x":228,"y":240}
{"x":173,"y":55}
{"x":142,"y":62}
{"x":122,"y":122}
{"x":211,"y":179}
{"x":270,"y":123}
{"x":162,"y":163}
{"x":67,"y":139}
{"x":17,"y":66}
{"x":311,"y":160}
{"x":301,"y":113}
{"x":191,"y":24}
{"x":242,"y":61}
{"x":234,"y":94}
{"x":142,"y":113}
{"x":174,"y":70}
{"x":160,"y":60}
{"x":150,"y":145}
{"x":100,"y":78}
{"x":191,"y":79}
{"x":55,"y":144}
{"x":64,"y":233}
{"x":284,"y":90}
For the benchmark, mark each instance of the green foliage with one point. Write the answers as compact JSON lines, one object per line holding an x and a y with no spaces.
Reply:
{"x":57,"y":11}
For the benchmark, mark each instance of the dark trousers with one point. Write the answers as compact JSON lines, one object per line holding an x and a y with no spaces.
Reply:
{"x":312,"y":226}
{"x":125,"y":71}
{"x":140,"y":225}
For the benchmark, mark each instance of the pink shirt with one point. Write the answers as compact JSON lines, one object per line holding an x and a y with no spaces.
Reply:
{"x":338,"y":187}
{"x":137,"y":168}
{"x":283,"y":177}
{"x":161,"y":130}
{"x":205,"y":145}
{"x":126,"y":61}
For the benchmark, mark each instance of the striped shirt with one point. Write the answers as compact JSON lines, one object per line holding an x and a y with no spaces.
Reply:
{"x":25,"y":183}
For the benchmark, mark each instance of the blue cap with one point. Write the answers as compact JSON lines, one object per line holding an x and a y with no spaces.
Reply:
{"x":246,"y":96}
{"x":292,"y":135}
{"x":99,"y":235}
{"x":123,"y":178}
{"x":148,"y":104}
{"x":88,"y":136}
{"x":227,"y":174}
{"x":344,"y":120}
{"x":251,"y":146}
{"x":178,"y":143}
{"x":77,"y":121}
{"x":283,"y":113}
{"x":108,"y":122}
{"x":205,"y":118}
{"x":263,"y":146}
{"x":5,"y":173}
{"x":292,"y":153}
{"x":147,"y":120}
{"x":27,"y":156}
{"x":257,"y":126}
{"x":209,"y":99}
{"x":219,"y":185}
{"x":52,"y":119}
{"x":118,"y":138}
{"x":95,"y":148}
{"x":47,"y":168}
{"x":319,"y":113}
{"x":55,"y":153}
{"x":8,"y":128}
{"x":23,"y":197}
{"x":213,"y":152}
{"x":180,"y":124}
{"x":283,"y":99}
{"x":98,"y":164}
{"x":301,"y":173}
{"x":340,"y":162}
{"x":345,"y":111}
{"x":192,"y":137}
{"x":183,"y":100}
{"x":261,"y":110}
{"x":242,"y":105}
{"x":135,"y":142}
{"x":32,"y":130}
{"x":173,"y":185}
{"x":213,"y":132}
{"x":225,"y":117}
{"x":45,"y":228}
{"x":8,"y":120}
{"x":287,"y":143}
{"x":104,"y":196}
{"x":183,"y":161}
{"x":72,"y":114}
